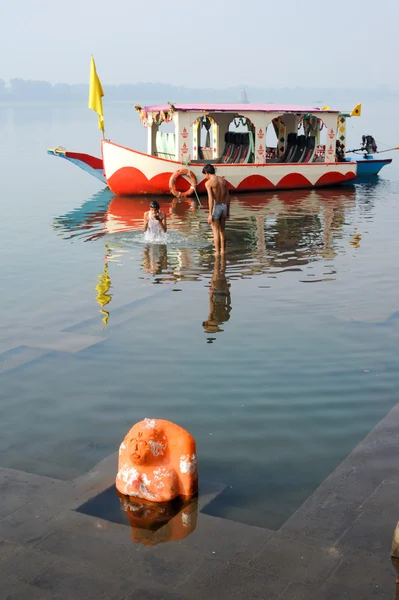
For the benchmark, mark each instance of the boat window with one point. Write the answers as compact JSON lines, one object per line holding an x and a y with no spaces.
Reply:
{"x":204,"y":133}
{"x":272,"y":154}
{"x":302,"y":140}
{"x":165,"y":141}
{"x":239,"y":146}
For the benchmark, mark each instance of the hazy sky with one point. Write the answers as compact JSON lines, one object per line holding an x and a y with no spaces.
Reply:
{"x":269,"y":43}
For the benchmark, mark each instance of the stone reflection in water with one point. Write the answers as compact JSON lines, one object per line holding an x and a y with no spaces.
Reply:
{"x":155,"y":523}
{"x":219,"y":299}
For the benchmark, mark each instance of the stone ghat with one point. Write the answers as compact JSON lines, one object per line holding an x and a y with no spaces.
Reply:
{"x":336,"y":545}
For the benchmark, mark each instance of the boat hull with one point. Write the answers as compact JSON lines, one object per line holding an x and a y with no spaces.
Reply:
{"x":94,"y":166}
{"x":129,"y":172}
{"x":371,"y":166}
{"x":90,"y":164}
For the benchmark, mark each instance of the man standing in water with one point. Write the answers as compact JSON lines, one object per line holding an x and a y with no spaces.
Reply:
{"x":219,"y":206}
{"x":155,"y":224}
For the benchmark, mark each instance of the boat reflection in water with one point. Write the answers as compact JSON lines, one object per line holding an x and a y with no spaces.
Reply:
{"x":266,"y":234}
{"x":154,"y":523}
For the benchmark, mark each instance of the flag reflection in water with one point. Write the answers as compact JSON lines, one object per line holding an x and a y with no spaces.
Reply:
{"x":102,"y":287}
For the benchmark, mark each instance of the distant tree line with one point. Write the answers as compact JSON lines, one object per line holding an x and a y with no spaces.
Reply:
{"x":148,"y":93}
{"x":31,"y":90}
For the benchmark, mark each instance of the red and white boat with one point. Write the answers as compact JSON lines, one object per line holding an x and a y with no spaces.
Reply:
{"x":182,"y":138}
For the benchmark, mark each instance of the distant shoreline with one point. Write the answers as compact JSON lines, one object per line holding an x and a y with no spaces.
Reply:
{"x":26,"y":91}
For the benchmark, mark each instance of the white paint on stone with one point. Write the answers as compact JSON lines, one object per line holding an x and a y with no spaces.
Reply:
{"x":188,"y":464}
{"x":128,"y":475}
{"x":159,"y":476}
{"x":157,"y":448}
{"x":186,"y":519}
{"x":145,"y":479}
{"x":145,"y":492}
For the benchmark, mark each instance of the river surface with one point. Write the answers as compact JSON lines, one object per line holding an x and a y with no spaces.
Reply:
{"x":278,"y":359}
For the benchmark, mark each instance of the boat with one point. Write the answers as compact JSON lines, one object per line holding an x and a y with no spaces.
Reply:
{"x":236,"y":145}
{"x":182,"y":138}
{"x":369,"y":166}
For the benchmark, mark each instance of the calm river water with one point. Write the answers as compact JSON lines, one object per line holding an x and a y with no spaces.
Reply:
{"x":278,"y":360}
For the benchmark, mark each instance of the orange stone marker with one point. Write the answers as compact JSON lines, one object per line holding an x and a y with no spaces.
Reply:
{"x":157,"y":462}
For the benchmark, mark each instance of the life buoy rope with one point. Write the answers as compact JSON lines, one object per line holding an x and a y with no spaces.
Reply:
{"x":173,"y":179}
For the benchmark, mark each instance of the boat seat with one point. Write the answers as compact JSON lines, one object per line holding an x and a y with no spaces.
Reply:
{"x":290,"y":148}
{"x":238,"y":149}
{"x":299,"y":150}
{"x":251,"y":152}
{"x":228,"y":147}
{"x":310,"y":149}
{"x":244,"y":147}
{"x":235,"y":156}
{"x":231,"y":136}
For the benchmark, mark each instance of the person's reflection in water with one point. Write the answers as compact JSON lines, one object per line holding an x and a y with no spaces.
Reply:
{"x":155,"y":259}
{"x":219,"y":299}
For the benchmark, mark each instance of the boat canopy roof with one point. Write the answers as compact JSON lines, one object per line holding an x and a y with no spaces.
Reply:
{"x":237,"y":108}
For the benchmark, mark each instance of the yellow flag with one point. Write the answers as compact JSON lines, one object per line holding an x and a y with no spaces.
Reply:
{"x":357,"y":111}
{"x":95,"y":95}
{"x":326,"y":107}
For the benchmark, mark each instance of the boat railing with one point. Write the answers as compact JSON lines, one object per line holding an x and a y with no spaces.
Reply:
{"x":164,"y":155}
{"x":320,"y":153}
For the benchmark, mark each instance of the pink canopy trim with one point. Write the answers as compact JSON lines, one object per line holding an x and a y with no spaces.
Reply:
{"x":238,"y":108}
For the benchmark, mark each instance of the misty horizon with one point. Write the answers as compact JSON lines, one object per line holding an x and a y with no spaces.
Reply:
{"x":267,"y":44}
{"x":7,"y":83}
{"x":148,"y":93}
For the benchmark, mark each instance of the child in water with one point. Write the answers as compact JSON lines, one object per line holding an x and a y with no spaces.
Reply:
{"x":155,"y":227}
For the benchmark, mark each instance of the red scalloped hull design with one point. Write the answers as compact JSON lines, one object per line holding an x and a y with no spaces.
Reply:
{"x":131,"y":181}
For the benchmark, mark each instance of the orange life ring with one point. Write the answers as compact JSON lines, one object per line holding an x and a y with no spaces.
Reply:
{"x":173,"y":179}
